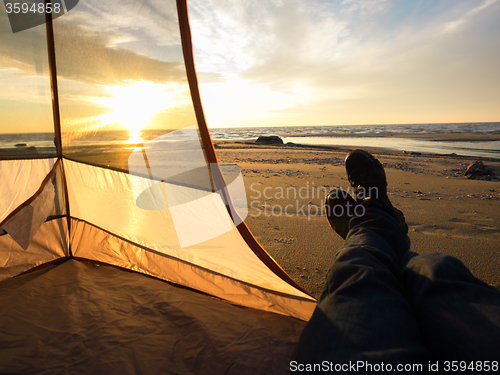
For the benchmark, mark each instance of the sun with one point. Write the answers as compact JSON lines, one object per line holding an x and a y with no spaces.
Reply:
{"x":133,"y":105}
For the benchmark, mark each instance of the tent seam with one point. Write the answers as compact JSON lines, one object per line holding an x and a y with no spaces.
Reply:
{"x":159,"y":253}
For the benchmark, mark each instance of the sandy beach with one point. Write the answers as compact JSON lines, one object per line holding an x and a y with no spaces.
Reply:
{"x":445,"y":211}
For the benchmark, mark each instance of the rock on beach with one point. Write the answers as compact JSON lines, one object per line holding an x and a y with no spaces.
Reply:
{"x":269,"y":140}
{"x":477,"y":171}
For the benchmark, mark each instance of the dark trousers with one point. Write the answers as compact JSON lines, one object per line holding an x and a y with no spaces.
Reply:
{"x":384,"y":304}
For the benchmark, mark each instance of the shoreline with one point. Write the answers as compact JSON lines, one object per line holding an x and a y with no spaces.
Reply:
{"x":463,"y":144}
{"x":441,"y":137}
{"x":243,"y":143}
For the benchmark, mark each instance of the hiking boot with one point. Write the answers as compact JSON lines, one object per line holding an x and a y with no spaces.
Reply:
{"x":367,"y":176}
{"x":340,"y":207}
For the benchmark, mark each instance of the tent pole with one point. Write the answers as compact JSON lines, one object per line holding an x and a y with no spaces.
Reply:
{"x":53,"y":81}
{"x":56,"y":113}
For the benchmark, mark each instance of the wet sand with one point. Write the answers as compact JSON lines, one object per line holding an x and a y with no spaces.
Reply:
{"x":445,"y":211}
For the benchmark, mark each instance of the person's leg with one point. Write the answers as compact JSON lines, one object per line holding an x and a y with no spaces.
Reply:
{"x":459,"y":315}
{"x":363,"y":313}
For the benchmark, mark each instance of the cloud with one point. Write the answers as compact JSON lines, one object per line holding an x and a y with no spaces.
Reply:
{"x":89,"y":58}
{"x":353,"y":54}
{"x":455,"y":24}
{"x":95,"y":44}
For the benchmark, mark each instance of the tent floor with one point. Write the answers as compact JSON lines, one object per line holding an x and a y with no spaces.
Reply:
{"x":82,"y":318}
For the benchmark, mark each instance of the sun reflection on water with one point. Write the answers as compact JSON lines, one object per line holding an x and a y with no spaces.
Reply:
{"x":135,"y":136}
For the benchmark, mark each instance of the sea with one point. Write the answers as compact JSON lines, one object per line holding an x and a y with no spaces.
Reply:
{"x":487,"y":146}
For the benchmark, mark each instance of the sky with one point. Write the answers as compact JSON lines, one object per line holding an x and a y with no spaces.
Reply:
{"x":259,"y":63}
{"x":313,"y":62}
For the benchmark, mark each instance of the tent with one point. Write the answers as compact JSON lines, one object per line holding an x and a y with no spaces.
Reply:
{"x":125,"y":258}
